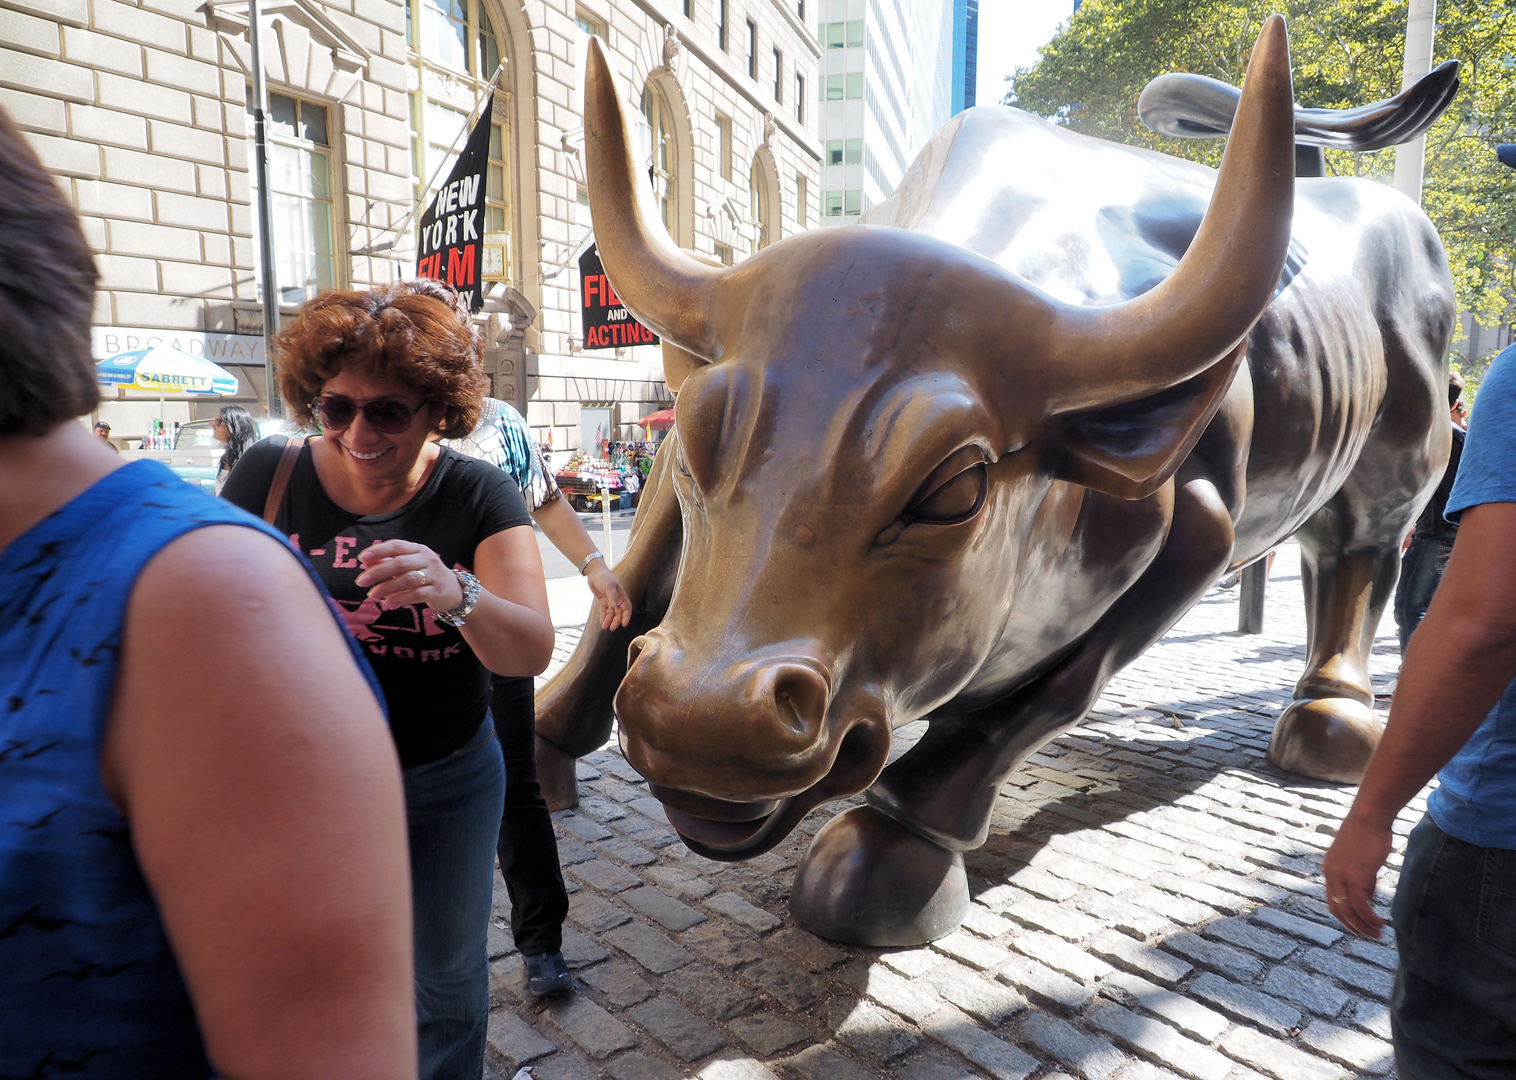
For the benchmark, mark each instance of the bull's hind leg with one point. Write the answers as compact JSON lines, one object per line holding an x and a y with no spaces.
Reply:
{"x":891,"y":872}
{"x":1329,"y":731}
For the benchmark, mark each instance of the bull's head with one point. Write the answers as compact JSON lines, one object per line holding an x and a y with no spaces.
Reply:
{"x":867,"y":450}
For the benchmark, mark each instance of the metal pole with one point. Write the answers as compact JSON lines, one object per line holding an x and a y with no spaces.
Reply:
{"x":1410,"y":158}
{"x":605,"y":518}
{"x":267,"y":276}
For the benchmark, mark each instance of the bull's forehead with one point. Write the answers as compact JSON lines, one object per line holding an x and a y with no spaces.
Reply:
{"x":864,"y":355}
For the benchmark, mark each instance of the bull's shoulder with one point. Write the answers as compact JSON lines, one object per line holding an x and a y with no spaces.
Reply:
{"x":1368,"y":229}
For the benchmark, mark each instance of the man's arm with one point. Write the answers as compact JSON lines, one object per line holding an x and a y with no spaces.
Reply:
{"x":252,"y":761}
{"x":562,"y":526}
{"x":1460,"y":661}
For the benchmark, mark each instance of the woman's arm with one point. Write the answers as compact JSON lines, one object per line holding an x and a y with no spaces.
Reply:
{"x":252,"y":761}
{"x":509,"y":628}
{"x":563,"y":527}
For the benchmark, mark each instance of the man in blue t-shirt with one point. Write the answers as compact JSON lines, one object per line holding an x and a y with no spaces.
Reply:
{"x":1454,"y":1007}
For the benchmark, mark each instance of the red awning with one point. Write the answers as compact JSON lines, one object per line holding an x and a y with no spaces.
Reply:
{"x":663,"y":418}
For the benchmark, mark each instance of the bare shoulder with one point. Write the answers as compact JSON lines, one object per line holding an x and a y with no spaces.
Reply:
{"x":236,"y":570}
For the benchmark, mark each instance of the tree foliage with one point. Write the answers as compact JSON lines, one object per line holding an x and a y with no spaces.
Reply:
{"x":1344,"y":53}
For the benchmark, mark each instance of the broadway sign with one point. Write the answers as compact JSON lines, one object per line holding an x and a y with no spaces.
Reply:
{"x":452,"y":228}
{"x":607,"y":323}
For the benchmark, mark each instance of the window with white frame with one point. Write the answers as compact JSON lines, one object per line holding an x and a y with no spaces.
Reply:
{"x":758,"y":207}
{"x":778,"y":77}
{"x":724,"y":146}
{"x":455,"y":51}
{"x":659,"y":151}
{"x":300,"y":180}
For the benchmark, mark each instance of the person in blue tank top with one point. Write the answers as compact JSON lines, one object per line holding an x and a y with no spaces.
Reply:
{"x":1453,"y":1012}
{"x":202,"y":834}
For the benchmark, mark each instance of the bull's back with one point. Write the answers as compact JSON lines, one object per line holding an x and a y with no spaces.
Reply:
{"x":1358,"y":329}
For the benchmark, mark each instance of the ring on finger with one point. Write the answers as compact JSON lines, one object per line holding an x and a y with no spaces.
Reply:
{"x":422,"y":575}
{"x":1339,"y":899}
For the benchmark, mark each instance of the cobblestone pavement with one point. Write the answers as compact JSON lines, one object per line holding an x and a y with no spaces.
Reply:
{"x":1148,"y":906}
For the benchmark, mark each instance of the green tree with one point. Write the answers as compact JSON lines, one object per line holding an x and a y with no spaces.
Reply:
{"x":1344,"y":53}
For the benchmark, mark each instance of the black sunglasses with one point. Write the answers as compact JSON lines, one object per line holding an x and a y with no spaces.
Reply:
{"x":389,"y":415}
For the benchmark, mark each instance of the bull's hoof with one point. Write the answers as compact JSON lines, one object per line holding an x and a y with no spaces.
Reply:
{"x":557,"y":774}
{"x":868,"y":880}
{"x":1326,"y":739}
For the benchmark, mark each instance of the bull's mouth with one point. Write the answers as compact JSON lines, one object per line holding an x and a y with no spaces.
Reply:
{"x":719,"y":829}
{"x":728,"y":830}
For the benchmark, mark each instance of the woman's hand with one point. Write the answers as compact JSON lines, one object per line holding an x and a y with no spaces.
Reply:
{"x":398,"y":573}
{"x":615,"y":605}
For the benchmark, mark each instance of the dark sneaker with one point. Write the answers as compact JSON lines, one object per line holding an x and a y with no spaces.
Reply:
{"x":547,"y":973}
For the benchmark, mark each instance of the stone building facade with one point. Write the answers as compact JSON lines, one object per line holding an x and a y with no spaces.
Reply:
{"x":141,"y":111}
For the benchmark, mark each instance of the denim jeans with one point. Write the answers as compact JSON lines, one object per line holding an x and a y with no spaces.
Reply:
{"x":452,"y":809}
{"x":1420,"y":573}
{"x":528,"y":849}
{"x":1453,"y":1012}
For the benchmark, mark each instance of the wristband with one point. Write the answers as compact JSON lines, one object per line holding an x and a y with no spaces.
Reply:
{"x":591,"y":557}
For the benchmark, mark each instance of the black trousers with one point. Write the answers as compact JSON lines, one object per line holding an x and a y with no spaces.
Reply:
{"x":1420,"y":573}
{"x":527,"y":848}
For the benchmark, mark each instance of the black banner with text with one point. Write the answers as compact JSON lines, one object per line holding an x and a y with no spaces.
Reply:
{"x":607,"y":324}
{"x":451,"y":240}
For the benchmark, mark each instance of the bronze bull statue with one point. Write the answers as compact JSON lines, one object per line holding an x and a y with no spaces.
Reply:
{"x":965,"y":460}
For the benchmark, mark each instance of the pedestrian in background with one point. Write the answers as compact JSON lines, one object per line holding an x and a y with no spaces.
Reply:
{"x":527,"y":849}
{"x":1431,"y":542}
{"x":432,"y":558}
{"x":233,"y":426}
{"x":1453,"y":1012}
{"x":180,"y":895}
{"x":103,"y":433}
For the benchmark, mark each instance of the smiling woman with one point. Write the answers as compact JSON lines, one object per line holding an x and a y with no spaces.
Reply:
{"x":432,"y":560}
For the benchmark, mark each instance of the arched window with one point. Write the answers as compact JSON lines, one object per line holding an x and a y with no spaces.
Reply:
{"x":758,"y":206}
{"x":455,"y":49}
{"x":658,"y":148}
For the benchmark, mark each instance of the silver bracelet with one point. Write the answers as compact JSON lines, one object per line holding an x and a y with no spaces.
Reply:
{"x":470,"y":586}
{"x":591,"y":557}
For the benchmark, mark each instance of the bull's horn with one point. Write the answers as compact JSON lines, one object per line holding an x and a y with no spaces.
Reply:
{"x":661,"y":285}
{"x":1226,"y":279}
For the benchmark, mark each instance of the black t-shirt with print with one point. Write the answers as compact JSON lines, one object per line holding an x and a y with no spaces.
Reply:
{"x":436,"y":689}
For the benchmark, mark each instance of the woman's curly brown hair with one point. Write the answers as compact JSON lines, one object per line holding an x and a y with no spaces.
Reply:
{"x":416,"y":331}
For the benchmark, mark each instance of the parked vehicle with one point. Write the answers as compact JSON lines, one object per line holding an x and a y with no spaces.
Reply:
{"x":197,"y":455}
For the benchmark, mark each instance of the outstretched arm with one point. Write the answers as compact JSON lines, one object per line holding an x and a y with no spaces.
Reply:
{"x":568,"y":535}
{"x":252,"y":761}
{"x":1460,"y":660}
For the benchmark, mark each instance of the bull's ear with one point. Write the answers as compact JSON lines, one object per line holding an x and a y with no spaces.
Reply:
{"x":1130,"y":450}
{"x":678,"y":365}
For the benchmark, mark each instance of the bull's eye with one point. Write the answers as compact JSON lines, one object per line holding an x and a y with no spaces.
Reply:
{"x":956,"y":499}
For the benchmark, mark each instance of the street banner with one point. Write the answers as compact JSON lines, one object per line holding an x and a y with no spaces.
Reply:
{"x":606,"y":322}
{"x":452,"y":229}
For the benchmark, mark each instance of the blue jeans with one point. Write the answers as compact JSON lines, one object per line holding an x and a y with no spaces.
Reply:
{"x":452,"y":809}
{"x":1453,"y":1012}
{"x":1420,"y":574}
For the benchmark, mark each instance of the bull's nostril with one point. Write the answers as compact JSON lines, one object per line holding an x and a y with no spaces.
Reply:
{"x":634,"y":650}
{"x":800,"y":697}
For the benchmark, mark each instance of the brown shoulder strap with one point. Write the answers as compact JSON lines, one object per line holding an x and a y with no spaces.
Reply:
{"x":281,"y":479}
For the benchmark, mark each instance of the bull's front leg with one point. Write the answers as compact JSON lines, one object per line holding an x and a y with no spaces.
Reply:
{"x":574,"y":708}
{"x":891,"y":872}
{"x":1329,"y":731}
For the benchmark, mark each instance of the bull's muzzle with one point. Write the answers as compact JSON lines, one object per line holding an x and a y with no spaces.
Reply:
{"x":739,"y":743}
